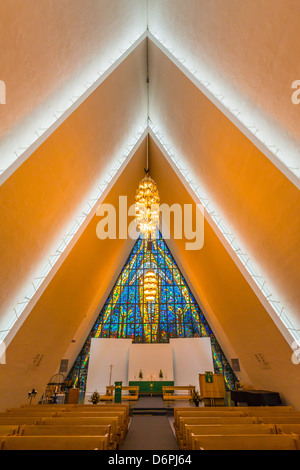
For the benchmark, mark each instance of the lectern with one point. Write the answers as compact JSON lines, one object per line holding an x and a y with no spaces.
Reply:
{"x":73,"y":396}
{"x":118,"y":392}
{"x":212,"y":386}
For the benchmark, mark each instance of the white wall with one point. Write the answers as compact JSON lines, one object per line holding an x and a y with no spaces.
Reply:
{"x":191,"y":356}
{"x":103,"y":354}
{"x":150,"y":358}
{"x":182,"y":360}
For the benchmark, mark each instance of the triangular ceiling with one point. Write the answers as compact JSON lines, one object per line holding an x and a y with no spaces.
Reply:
{"x":52,"y":285}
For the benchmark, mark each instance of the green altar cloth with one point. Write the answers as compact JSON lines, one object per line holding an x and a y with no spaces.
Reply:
{"x":153,"y":387}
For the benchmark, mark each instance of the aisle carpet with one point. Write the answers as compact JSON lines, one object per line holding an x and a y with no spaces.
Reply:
{"x":150,"y":433}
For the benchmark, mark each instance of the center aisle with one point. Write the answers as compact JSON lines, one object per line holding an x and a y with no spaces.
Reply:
{"x":150,"y":433}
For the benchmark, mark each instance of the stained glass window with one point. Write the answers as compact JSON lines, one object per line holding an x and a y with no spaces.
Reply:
{"x":174,"y":313}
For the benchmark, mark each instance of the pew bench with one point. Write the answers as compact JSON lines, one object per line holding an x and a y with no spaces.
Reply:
{"x":54,"y":443}
{"x":245,"y":442}
{"x":115,"y":434}
{"x":212,"y":421}
{"x":288,"y":428}
{"x":217,"y":429}
{"x":169,"y":392}
{"x":8,"y":429}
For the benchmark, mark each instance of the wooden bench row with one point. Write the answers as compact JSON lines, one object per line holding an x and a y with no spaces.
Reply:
{"x":73,"y":407}
{"x":221,"y":429}
{"x":54,"y":443}
{"x":175,"y":393}
{"x":44,"y":427}
{"x":131,"y":393}
{"x":234,"y":411}
{"x":246,"y":442}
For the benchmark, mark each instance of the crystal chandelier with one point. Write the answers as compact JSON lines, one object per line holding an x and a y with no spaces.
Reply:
{"x":147,"y":206}
{"x":150,"y":286}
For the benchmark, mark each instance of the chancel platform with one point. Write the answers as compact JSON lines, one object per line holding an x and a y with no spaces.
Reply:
{"x":155,"y":405}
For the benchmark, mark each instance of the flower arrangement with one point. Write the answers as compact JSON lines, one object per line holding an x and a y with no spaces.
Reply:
{"x":95,"y":398}
{"x":196,"y":398}
{"x":140,"y":374}
{"x":161,"y":374}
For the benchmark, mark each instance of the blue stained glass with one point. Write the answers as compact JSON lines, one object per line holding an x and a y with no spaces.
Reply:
{"x":174,"y":314}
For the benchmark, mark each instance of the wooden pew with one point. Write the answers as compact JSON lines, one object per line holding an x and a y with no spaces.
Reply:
{"x":85,"y":411}
{"x":245,"y":442}
{"x":279,"y":419}
{"x":115,"y":435}
{"x":234,"y":408}
{"x":120,"y":414}
{"x":17,"y":420}
{"x":273,"y":413}
{"x":69,"y":430}
{"x":217,"y":429}
{"x":182,"y":396}
{"x":54,"y":443}
{"x":134,"y":395}
{"x":211,"y":421}
{"x":211,"y":414}
{"x":33,"y":414}
{"x":123,"y":425}
{"x":288,"y":428}
{"x":78,"y":408}
{"x":8,"y":429}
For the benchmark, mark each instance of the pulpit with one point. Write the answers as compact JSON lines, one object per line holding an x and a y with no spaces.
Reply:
{"x":73,"y":396}
{"x":212,"y":387}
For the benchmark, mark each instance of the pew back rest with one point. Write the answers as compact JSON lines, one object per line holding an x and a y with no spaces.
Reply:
{"x":118,"y":414}
{"x":206,"y":414}
{"x":34,"y":414}
{"x":232,"y":429}
{"x":8,"y":429}
{"x":64,"y":430}
{"x":245,"y":442}
{"x":212,"y":421}
{"x":278,"y":420}
{"x":112,"y":421}
{"x":288,"y":428}
{"x":17,"y":420}
{"x":54,"y":443}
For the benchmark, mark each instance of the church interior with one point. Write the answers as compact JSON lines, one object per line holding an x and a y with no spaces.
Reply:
{"x":150,"y":220}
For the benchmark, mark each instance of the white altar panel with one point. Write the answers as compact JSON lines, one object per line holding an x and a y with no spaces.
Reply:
{"x":192,"y":356}
{"x":150,"y":358}
{"x":105,"y":352}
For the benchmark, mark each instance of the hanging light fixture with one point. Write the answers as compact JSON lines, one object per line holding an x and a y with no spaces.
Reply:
{"x":150,"y":286}
{"x":147,"y":204}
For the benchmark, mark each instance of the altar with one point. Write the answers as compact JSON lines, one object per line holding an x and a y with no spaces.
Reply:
{"x":148,"y":366}
{"x":151,"y":387}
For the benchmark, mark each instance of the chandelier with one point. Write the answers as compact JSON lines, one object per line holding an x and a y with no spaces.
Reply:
{"x":147,"y":206}
{"x":150,"y":286}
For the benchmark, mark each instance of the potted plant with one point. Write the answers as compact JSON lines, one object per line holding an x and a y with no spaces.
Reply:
{"x":161,"y":375}
{"x":95,"y":398}
{"x":196,"y":398}
{"x":140,"y":375}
